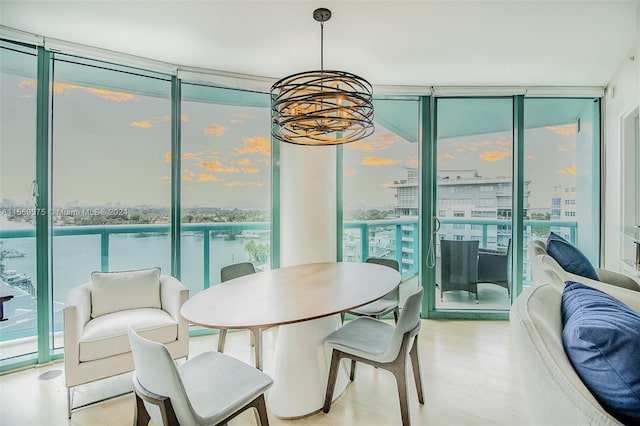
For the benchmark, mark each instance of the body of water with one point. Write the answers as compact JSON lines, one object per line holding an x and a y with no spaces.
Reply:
{"x":74,"y":257}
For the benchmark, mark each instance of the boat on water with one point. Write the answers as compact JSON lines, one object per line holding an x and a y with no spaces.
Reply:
{"x":6,"y":253}
{"x":12,"y":277}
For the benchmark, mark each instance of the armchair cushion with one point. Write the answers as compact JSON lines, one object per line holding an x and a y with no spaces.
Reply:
{"x":570,"y":257}
{"x":601,"y":336}
{"x":119,"y":291}
{"x":106,"y":335}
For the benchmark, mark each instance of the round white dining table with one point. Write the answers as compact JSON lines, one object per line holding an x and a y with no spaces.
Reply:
{"x":305,"y":301}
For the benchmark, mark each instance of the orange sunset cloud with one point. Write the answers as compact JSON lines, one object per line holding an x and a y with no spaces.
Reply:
{"x":255,"y":145}
{"x":216,"y":166}
{"x":141,"y":124}
{"x":204,"y":177}
{"x":215,"y":129}
{"x":571,"y":170}
{"x":185,"y":156}
{"x":492,"y":156}
{"x":378,"y":161}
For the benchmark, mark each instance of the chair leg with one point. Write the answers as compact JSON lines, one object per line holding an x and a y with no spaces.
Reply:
{"x":399,"y":371}
{"x":68,"y":402}
{"x":141,"y":416}
{"x":352,"y":373}
{"x":256,"y":333}
{"x":261,"y":410}
{"x":415,"y":364}
{"x":222,"y":336}
{"x":396,"y":315}
{"x":331,"y":381}
{"x":342,"y":314}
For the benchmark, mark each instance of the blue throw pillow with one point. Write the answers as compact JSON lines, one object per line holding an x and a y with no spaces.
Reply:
{"x":601,"y":337}
{"x":570,"y":257}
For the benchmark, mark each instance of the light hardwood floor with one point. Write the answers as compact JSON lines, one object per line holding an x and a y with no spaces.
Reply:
{"x":468,"y":368}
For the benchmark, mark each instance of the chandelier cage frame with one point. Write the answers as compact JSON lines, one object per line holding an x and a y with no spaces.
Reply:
{"x":321,"y":107}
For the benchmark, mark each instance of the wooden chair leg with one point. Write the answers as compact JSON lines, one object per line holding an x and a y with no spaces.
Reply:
{"x":256,"y":334}
{"x":331,"y":380}
{"x":352,"y":373}
{"x":141,"y":416}
{"x":261,"y":409}
{"x":222,"y":336}
{"x":415,"y":364}
{"x":399,"y":371}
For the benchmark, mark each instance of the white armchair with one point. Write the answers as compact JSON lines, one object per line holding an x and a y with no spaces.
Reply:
{"x":97,"y":315}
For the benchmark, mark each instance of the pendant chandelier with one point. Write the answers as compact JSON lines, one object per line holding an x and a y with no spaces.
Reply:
{"x":322,"y":107}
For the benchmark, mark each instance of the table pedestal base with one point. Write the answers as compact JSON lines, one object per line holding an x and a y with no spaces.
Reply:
{"x":301,"y":368}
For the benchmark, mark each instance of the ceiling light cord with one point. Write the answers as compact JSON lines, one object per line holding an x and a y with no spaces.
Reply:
{"x":322,"y":46}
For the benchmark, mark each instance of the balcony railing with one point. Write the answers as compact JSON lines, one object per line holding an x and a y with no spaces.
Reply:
{"x":483,"y":230}
{"x":400,"y":241}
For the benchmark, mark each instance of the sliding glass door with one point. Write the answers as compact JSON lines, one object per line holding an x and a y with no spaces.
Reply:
{"x":474,"y":181}
{"x":484,"y":193}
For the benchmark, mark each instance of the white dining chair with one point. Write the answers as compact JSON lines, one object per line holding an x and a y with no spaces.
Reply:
{"x":230,"y":272}
{"x":381,"y":345}
{"x":386,"y":304}
{"x":209,"y":389}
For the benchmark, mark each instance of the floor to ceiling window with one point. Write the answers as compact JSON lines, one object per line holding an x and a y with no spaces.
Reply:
{"x":114,"y":197}
{"x":558,"y":179}
{"x":18,"y":69}
{"x":561,"y":166}
{"x":110,"y":198}
{"x":226,"y":182}
{"x":380,"y":194}
{"x":474,"y":157}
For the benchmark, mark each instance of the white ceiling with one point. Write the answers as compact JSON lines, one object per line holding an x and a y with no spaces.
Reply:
{"x":423,"y":43}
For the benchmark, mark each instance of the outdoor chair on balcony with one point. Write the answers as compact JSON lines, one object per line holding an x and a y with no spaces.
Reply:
{"x":381,"y":345}
{"x":97,"y":315}
{"x":494,"y":266}
{"x":208,"y":389}
{"x":384,"y":305}
{"x":459,"y":266}
{"x":230,"y":272}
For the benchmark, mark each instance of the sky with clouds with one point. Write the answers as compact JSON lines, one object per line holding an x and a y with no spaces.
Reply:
{"x":113,"y":147}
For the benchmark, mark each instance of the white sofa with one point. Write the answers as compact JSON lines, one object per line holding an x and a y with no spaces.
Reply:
{"x":552,"y":391}
{"x":96,"y":321}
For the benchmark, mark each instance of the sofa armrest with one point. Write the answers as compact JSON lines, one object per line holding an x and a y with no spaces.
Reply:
{"x":173,"y":294}
{"x":619,"y":280}
{"x":76,"y":314}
